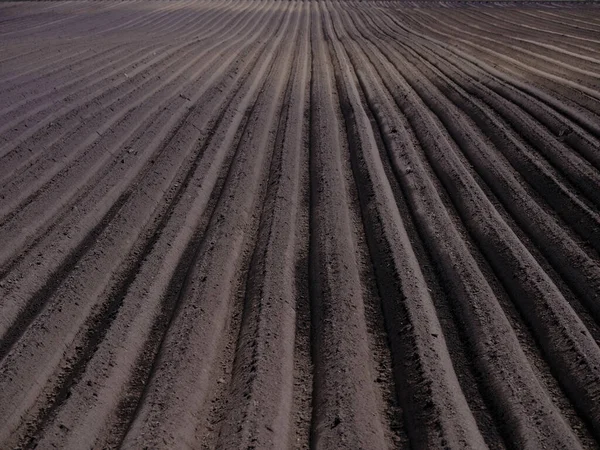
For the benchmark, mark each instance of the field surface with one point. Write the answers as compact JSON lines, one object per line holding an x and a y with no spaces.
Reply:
{"x":284,"y":224}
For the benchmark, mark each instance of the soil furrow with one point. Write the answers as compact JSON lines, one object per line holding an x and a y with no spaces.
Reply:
{"x":308,"y":224}
{"x":409,"y":171}
{"x":159,"y":176}
{"x":126,"y":148}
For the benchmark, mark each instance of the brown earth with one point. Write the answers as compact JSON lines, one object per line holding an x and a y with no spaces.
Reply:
{"x":272,"y":224}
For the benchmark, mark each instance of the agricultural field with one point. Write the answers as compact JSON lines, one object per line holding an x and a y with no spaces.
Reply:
{"x":289,"y":224}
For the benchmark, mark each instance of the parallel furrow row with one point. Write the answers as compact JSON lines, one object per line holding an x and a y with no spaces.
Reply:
{"x":299,"y":224}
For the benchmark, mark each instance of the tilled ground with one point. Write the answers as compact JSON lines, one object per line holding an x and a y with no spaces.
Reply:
{"x":272,"y":224}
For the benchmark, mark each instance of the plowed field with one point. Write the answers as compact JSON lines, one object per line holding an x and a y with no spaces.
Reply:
{"x":285,"y":224}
